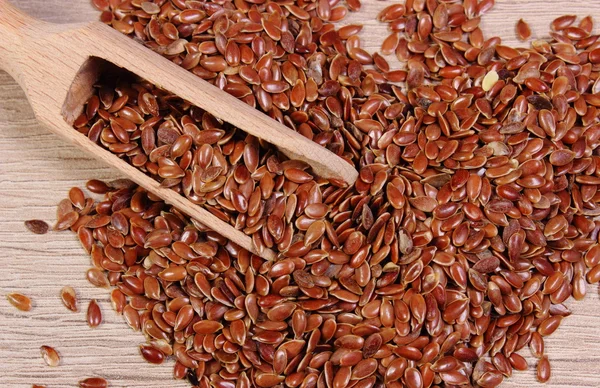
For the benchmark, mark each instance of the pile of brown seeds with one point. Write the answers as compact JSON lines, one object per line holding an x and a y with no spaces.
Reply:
{"x":471,"y":223}
{"x":214,"y":165}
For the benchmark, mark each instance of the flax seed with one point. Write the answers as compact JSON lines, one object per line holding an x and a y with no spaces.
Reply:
{"x":69,"y":298}
{"x":93,"y":382}
{"x":20,"y":301}
{"x":94,"y":314}
{"x":523,"y":30}
{"x":50,"y":356}
{"x":37,"y":226}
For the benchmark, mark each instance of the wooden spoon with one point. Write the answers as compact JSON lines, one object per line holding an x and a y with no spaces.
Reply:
{"x":57,"y":66}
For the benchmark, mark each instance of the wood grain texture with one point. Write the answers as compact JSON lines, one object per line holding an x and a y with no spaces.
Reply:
{"x":37,"y":169}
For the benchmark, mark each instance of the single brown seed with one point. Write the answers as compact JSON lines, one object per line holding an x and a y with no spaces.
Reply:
{"x":93,"y":382}
{"x":207,"y":327}
{"x":543,"y":370}
{"x":97,"y":277}
{"x":562,"y":22}
{"x":518,"y":362}
{"x":549,"y":325}
{"x":536,"y":345}
{"x":69,"y":298}
{"x":20,"y":301}
{"x":152,"y":354}
{"x":66,"y":221}
{"x":37,"y":226}
{"x":97,"y":186}
{"x":523,"y":30}
{"x":94,"y":314}
{"x":77,"y":197}
{"x":50,"y":355}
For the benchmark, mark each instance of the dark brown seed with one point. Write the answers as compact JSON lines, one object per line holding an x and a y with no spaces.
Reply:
{"x":37,"y":226}
{"x":151,"y":354}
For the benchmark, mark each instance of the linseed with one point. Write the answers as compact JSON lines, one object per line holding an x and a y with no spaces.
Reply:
{"x":50,"y":356}
{"x":523,"y":30}
{"x":69,"y":298}
{"x":93,"y":382}
{"x":20,"y":301}
{"x":94,"y":314}
{"x":37,"y":226}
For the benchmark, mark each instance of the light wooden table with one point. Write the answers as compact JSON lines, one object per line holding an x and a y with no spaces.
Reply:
{"x":37,"y":169}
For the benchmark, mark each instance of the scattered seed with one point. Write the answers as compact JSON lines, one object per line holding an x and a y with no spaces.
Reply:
{"x":523,"y":30}
{"x":93,"y":382}
{"x":543,"y":370}
{"x":94,"y":314}
{"x":50,"y":355}
{"x":37,"y":226}
{"x":20,"y":301}
{"x":97,"y":186}
{"x":69,"y":298}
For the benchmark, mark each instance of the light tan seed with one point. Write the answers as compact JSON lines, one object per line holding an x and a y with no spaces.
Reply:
{"x":20,"y":301}
{"x":490,"y":80}
{"x":50,"y":355}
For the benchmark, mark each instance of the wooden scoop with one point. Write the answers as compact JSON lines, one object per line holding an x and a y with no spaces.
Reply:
{"x":57,"y":66}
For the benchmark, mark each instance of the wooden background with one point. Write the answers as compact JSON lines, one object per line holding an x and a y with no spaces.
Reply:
{"x":36,"y":171}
